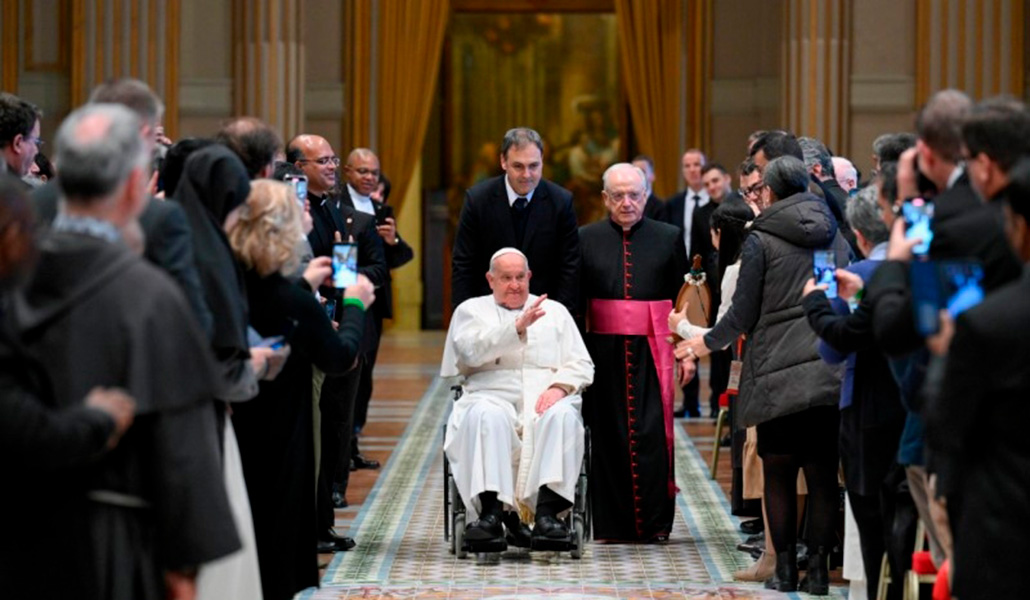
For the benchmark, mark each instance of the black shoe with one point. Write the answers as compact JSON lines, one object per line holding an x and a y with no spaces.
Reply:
{"x":360,"y":462}
{"x":756,"y":540}
{"x":487,"y":528}
{"x":339,"y":500}
{"x":339,"y":543}
{"x":679,"y":413}
{"x":752,"y":527}
{"x":817,"y":578}
{"x":518,"y":533}
{"x":550,"y":528}
{"x":755,"y":550}
{"x":785,"y":577}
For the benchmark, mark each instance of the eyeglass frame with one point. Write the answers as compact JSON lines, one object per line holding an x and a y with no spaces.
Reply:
{"x":323,"y":161}
{"x":755,"y":189}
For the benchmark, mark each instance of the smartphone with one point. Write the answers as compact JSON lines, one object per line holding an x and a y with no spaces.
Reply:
{"x":955,"y":286}
{"x":383,"y":213}
{"x":330,"y":309}
{"x":918,"y":214}
{"x":345,"y":265}
{"x":825,"y":267}
{"x":300,"y":186}
{"x":275,"y":342}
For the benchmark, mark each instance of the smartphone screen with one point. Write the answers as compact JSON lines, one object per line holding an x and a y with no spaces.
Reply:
{"x":275,"y":342}
{"x":953,"y":285}
{"x":962,"y":286}
{"x":345,"y":265}
{"x":330,"y":309}
{"x":300,"y":186}
{"x":825,"y":267}
{"x":918,"y":214}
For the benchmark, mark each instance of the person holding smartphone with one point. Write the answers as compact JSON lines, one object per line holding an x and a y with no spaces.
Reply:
{"x":336,"y":223}
{"x":362,"y":174}
{"x":275,"y":429}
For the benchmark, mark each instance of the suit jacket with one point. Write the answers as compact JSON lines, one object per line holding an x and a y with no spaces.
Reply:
{"x":168,"y":244}
{"x":654,"y":208}
{"x":397,"y":255}
{"x":328,"y":219}
{"x":700,"y":237}
{"x":976,"y":432}
{"x":551,"y":241}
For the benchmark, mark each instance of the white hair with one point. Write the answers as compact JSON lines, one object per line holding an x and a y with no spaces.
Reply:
{"x":508,"y":250}
{"x":620,"y":167}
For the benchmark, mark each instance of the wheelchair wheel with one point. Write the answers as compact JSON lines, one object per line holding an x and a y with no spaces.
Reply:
{"x":458,"y":536}
{"x":579,"y":537}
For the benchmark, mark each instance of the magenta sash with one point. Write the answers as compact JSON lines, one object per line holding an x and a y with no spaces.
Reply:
{"x":649,"y":318}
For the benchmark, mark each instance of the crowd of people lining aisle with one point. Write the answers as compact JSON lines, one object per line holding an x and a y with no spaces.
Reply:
{"x":866,"y":331}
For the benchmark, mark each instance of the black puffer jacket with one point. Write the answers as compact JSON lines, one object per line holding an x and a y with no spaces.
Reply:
{"x":783,"y":373}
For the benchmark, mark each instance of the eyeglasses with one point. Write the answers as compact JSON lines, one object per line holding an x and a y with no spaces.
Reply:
{"x":753,"y":190}
{"x":37,"y":141}
{"x":618,"y":197}
{"x":362,"y":171}
{"x":324,"y":161}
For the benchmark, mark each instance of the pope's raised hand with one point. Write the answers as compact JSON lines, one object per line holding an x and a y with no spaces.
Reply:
{"x":530,"y":315}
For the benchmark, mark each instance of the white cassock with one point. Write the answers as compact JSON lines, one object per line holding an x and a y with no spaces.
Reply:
{"x":495,"y":441}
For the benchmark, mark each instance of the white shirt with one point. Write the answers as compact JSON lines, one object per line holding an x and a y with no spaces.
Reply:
{"x":955,"y":174}
{"x":512,"y":196}
{"x":689,"y":204}
{"x":361,"y":203}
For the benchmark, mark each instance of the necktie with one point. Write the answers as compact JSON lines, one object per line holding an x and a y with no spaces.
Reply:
{"x":520,"y":204}
{"x":697,"y":199}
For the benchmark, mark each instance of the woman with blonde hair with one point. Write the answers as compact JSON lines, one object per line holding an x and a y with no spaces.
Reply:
{"x":275,"y":429}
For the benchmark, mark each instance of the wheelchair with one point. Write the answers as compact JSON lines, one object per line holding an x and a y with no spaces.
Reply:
{"x":577,"y":519}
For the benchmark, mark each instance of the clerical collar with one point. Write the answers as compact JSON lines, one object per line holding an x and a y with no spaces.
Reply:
{"x":956,"y":173}
{"x":512,"y":196}
{"x":361,"y":203}
{"x":87,"y":226}
{"x":632,"y":228}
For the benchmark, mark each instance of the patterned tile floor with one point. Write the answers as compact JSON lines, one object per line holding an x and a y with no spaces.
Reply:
{"x":399,"y":524}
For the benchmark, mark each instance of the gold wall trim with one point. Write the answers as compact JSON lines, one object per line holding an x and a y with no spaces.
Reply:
{"x":1018,"y":65}
{"x":31,"y":62}
{"x":173,"y":24}
{"x":982,"y":42}
{"x":10,"y":47}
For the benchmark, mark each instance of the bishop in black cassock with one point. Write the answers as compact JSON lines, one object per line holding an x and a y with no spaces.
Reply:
{"x":628,"y":263}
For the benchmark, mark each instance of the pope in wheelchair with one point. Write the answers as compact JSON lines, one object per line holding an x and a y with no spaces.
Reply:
{"x":515,"y":438}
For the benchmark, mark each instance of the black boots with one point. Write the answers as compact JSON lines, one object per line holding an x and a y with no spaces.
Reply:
{"x":785,"y":577}
{"x":817,"y":578}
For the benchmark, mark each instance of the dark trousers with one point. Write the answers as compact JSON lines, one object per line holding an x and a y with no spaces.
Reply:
{"x":370,"y":351}
{"x":886,"y":523}
{"x":336,"y":405}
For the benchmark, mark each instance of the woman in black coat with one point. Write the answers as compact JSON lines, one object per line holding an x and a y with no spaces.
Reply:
{"x":786,"y":390}
{"x":275,"y":429}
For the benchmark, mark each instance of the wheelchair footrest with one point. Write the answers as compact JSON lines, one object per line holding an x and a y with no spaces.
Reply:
{"x":496,"y":545}
{"x":554,"y":544}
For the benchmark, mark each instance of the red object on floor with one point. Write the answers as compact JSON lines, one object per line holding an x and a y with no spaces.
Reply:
{"x":941,"y":589}
{"x":922,"y":563}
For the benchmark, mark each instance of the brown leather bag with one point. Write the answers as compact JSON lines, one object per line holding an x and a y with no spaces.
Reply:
{"x":695,"y":291}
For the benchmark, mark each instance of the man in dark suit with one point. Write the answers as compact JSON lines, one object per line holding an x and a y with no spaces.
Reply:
{"x":690,"y":211}
{"x":334,"y":223}
{"x":976,"y":419}
{"x":168,"y":240}
{"x":521,"y":210}
{"x":361,"y":175}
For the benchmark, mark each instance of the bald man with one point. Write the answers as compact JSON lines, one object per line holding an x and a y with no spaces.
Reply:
{"x":335,"y":222}
{"x":361,"y":176}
